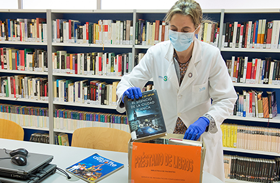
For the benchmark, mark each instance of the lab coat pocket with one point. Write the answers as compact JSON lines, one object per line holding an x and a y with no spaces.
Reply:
{"x":200,"y":93}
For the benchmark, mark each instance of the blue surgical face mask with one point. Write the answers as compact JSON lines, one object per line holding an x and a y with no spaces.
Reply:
{"x":181,"y":41}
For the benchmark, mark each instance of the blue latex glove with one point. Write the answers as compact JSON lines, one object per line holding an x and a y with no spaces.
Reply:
{"x":132,"y":92}
{"x":196,"y":129}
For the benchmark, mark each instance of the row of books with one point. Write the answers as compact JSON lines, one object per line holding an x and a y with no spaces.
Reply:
{"x":24,"y":60}
{"x":251,"y":169}
{"x":71,"y":120}
{"x":257,"y":71}
{"x":40,"y":138}
{"x":85,"y":92}
{"x":150,"y":33}
{"x":61,"y":139}
{"x":88,"y":92}
{"x":26,"y":116}
{"x":250,"y":137}
{"x":25,"y":30}
{"x":261,"y":34}
{"x":21,"y":86}
{"x":209,"y":33}
{"x":115,"y":32}
{"x":95,"y":63}
{"x":256,"y":104}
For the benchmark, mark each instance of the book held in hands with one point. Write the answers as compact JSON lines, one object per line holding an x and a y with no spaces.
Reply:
{"x":94,"y":168}
{"x":145,"y":117}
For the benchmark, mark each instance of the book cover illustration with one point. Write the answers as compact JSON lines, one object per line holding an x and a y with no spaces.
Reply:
{"x":144,"y":115}
{"x":94,"y":168}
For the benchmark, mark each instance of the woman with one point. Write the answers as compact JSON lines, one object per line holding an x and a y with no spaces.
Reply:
{"x":187,"y":74}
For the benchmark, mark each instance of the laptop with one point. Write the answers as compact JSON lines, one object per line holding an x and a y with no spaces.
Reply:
{"x":34,"y":163}
{"x":36,"y":178}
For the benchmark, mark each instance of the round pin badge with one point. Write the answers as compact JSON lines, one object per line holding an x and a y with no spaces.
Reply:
{"x":190,"y":75}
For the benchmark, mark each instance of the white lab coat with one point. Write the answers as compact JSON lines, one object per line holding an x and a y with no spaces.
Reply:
{"x":206,"y":77}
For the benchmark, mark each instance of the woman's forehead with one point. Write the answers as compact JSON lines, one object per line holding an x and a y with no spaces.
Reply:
{"x":182,"y":20}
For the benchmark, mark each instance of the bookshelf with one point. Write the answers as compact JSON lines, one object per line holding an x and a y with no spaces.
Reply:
{"x":250,"y":50}
{"x":218,"y":15}
{"x":84,"y":105}
{"x":251,"y":151}
{"x":254,"y":119}
{"x":88,"y":76}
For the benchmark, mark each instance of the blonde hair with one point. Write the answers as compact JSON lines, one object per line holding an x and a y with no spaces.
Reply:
{"x":186,"y":7}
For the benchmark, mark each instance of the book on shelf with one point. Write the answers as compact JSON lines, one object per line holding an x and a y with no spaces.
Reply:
{"x":24,"y":30}
{"x":85,"y":92}
{"x":26,"y":116}
{"x":39,"y":137}
{"x":257,"y":71}
{"x":256,"y":104}
{"x":95,"y":63}
{"x":61,"y":139}
{"x":23,"y":60}
{"x":71,"y":120}
{"x":24,"y":87}
{"x":258,"y":34}
{"x":107,"y":32}
{"x":251,"y":169}
{"x":93,"y":92}
{"x":145,"y":117}
{"x":94,"y":168}
{"x":251,"y":137}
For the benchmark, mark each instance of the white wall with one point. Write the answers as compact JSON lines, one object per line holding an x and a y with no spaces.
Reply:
{"x":137,"y":4}
{"x":239,"y":4}
{"x":59,"y":4}
{"x":205,"y":4}
{"x":8,"y":4}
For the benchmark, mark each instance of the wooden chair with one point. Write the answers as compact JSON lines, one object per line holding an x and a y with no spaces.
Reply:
{"x":10,"y":130}
{"x":101,"y":138}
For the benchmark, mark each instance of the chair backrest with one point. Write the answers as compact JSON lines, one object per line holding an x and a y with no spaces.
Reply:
{"x":10,"y":130}
{"x":101,"y":138}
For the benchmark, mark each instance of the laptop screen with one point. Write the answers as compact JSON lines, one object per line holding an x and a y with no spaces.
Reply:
{"x":34,"y":161}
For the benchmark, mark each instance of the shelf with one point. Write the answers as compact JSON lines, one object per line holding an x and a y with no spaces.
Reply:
{"x":24,"y":100}
{"x":251,"y":50}
{"x":166,"y":10}
{"x":251,"y":151}
{"x":88,"y":76}
{"x":71,"y":11}
{"x":92,"y":45}
{"x":23,"y":43}
{"x":90,"y":11}
{"x":24,"y":72}
{"x":27,"y":10}
{"x":252,"y":10}
{"x":114,"y":11}
{"x":63,"y":131}
{"x":256,"y":85}
{"x":152,"y":11}
{"x":273,"y":120}
{"x":4,"y":10}
{"x":236,"y":181}
{"x":143,"y":46}
{"x":85,"y":105}
{"x":35,"y":128}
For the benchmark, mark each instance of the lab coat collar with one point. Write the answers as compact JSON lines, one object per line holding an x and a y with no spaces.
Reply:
{"x":196,"y":55}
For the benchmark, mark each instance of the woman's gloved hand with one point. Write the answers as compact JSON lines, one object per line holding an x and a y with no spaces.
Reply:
{"x":196,"y":129}
{"x":132,"y":92}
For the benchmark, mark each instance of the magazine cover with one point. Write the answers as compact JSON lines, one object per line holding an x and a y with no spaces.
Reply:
{"x":94,"y":168}
{"x":144,"y":116}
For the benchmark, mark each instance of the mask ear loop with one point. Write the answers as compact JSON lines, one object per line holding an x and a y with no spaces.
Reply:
{"x":196,"y":35}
